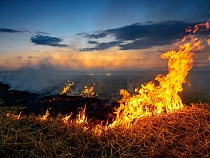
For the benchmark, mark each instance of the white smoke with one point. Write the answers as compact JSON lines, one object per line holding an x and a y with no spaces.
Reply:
{"x":50,"y":82}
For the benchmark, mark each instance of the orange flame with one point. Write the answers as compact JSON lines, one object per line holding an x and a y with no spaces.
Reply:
{"x":208,"y":41}
{"x":161,"y":96}
{"x":201,"y":27}
{"x":66,"y":88}
{"x":45,"y":116}
{"x":15,"y":117}
{"x":81,"y":117}
{"x":66,"y":119}
{"x":89,"y":92}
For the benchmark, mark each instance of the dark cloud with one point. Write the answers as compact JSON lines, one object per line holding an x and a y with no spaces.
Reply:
{"x":141,"y":36}
{"x":93,"y":42}
{"x":97,"y":35}
{"x":145,"y":43}
{"x":6,"y":30}
{"x":102,"y":46}
{"x":47,"y":41}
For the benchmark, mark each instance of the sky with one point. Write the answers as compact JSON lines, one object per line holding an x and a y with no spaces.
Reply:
{"x":96,"y":34}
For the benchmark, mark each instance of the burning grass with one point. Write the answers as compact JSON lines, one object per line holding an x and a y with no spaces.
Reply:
{"x":184,"y":133}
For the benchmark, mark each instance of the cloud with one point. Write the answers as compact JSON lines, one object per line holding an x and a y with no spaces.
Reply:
{"x":139,"y":35}
{"x":47,"y":41}
{"x":93,"y":42}
{"x":102,"y":46}
{"x":31,"y":57}
{"x":6,"y":30}
{"x":42,"y":33}
{"x":97,"y":35}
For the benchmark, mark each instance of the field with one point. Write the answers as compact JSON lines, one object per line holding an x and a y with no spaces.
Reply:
{"x":185,"y":133}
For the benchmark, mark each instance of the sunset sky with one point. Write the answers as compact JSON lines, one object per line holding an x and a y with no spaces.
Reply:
{"x":96,"y":34}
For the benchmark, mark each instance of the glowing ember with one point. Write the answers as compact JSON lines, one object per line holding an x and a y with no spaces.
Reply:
{"x":66,"y":88}
{"x":161,"y":96}
{"x":89,"y":92}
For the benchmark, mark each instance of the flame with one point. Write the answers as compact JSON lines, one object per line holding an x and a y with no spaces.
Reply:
{"x":108,"y":74}
{"x":161,"y":96}
{"x":89,"y":92}
{"x":81,"y":117}
{"x":208,"y":41}
{"x":18,"y":117}
{"x":201,"y":27}
{"x":188,"y":29}
{"x":66,"y":88}
{"x":66,"y":119}
{"x":45,"y":116}
{"x":99,"y":129}
{"x":15,"y":117}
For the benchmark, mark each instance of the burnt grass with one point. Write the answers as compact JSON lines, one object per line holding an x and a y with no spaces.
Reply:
{"x":31,"y":103}
{"x":184,"y":133}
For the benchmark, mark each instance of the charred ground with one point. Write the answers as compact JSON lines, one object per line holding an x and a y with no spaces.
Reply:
{"x":96,"y":109}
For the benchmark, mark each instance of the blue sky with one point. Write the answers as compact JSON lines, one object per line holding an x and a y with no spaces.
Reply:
{"x":95,"y":34}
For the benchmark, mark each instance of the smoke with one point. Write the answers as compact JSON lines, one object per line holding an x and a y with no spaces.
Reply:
{"x":49,"y":82}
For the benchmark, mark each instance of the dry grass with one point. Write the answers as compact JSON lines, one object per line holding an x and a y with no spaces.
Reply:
{"x":185,"y":133}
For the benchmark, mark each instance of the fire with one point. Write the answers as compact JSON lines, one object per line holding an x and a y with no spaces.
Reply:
{"x":45,"y":116}
{"x":208,"y":41}
{"x":161,"y":96}
{"x":81,"y":117}
{"x":88,"y":92}
{"x":66,"y":88}
{"x":66,"y":119}
{"x":108,"y":74}
{"x":15,"y":117}
{"x":98,"y":129}
{"x":201,"y":27}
